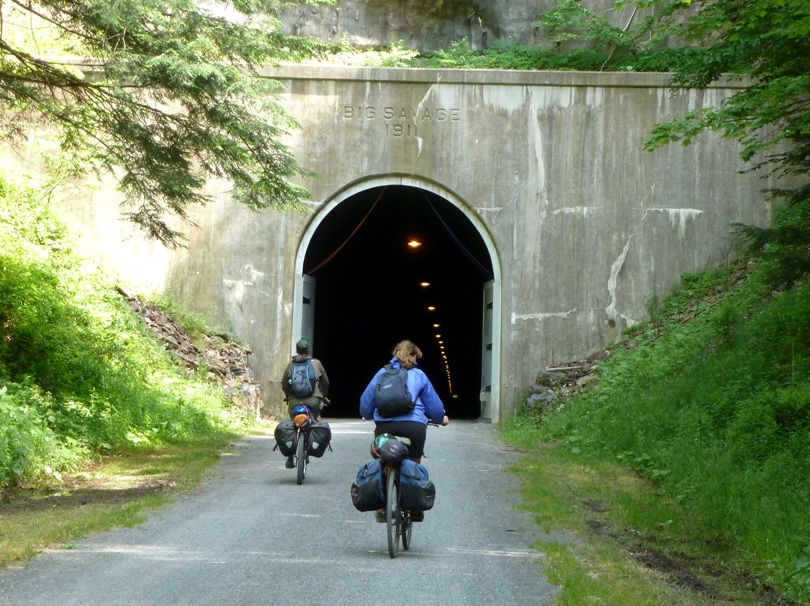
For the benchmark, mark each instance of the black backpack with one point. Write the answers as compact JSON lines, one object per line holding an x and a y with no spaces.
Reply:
{"x":391,"y":394}
{"x":302,"y":379}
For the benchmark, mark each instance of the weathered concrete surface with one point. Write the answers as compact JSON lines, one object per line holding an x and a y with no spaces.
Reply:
{"x":429,"y":25}
{"x":584,"y":226}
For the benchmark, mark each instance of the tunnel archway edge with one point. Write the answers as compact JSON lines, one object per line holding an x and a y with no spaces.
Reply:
{"x":357,"y":187}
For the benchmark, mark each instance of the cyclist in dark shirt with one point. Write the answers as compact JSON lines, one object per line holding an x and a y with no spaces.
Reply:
{"x":318,"y":399}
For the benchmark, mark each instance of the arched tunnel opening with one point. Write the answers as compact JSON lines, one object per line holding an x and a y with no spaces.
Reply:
{"x":393,"y":263}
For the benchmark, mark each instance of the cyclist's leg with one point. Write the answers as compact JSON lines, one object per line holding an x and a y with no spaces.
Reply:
{"x":290,"y":463}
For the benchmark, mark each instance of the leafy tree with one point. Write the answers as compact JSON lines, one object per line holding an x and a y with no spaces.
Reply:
{"x":764,"y":42}
{"x":163,"y":93}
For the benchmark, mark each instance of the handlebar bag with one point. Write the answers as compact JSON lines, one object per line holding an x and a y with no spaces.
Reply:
{"x":416,"y":491}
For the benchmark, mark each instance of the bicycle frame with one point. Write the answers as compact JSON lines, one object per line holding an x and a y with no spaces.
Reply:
{"x":302,"y":446}
{"x":398,"y":524}
{"x":398,"y":521}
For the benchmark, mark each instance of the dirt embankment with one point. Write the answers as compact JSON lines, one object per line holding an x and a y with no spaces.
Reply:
{"x":222,"y":360}
{"x":555,"y":384}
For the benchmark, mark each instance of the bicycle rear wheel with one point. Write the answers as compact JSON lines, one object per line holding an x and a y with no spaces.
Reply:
{"x":392,"y":514}
{"x":301,"y":455}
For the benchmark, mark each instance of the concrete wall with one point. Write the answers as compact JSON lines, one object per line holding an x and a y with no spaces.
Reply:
{"x":585,"y":225}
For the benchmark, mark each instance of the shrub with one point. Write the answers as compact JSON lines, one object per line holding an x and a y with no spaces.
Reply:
{"x":78,"y":372}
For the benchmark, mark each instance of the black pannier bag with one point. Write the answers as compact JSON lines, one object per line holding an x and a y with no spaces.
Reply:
{"x":320,"y":434}
{"x":416,"y":491}
{"x":367,"y":488}
{"x":285,"y":437}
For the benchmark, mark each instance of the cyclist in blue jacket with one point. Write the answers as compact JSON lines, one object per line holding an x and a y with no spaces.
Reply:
{"x":428,"y":406}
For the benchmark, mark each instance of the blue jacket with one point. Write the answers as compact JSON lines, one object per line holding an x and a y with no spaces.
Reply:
{"x":428,"y":404}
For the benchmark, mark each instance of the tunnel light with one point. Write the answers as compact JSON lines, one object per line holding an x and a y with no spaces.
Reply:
{"x":414,"y":244}
{"x":438,"y":336}
{"x":424,"y":284}
{"x":436,"y":326}
{"x":431,"y":308}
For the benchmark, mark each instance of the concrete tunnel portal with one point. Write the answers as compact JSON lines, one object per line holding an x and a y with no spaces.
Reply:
{"x":369,"y":289}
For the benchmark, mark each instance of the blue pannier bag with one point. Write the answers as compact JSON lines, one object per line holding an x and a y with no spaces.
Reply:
{"x":416,"y":491}
{"x":367,"y":488}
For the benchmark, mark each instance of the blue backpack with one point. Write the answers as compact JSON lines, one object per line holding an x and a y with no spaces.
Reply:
{"x":302,"y":379}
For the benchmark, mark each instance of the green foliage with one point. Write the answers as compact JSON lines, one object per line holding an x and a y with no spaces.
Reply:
{"x":782,"y":247}
{"x":78,"y":372}
{"x":394,"y":55}
{"x":168,"y":97}
{"x":508,"y":56}
{"x":710,"y":400}
{"x":569,"y":21}
{"x":28,"y":446}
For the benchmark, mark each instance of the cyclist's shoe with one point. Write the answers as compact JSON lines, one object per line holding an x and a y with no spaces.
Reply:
{"x":379,"y":516}
{"x":290,"y":464}
{"x":417,"y":516}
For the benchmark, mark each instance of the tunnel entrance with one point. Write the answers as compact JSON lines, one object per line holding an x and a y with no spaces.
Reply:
{"x":390,"y":263}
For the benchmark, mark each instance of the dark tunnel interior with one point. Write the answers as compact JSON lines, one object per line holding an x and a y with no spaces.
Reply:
{"x":369,"y":294}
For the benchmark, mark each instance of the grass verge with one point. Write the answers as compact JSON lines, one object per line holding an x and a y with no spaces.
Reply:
{"x":112,"y":492}
{"x":629,"y":547}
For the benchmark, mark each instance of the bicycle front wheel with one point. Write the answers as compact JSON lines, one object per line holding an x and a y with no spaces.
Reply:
{"x":301,"y":456}
{"x":392,"y":514}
